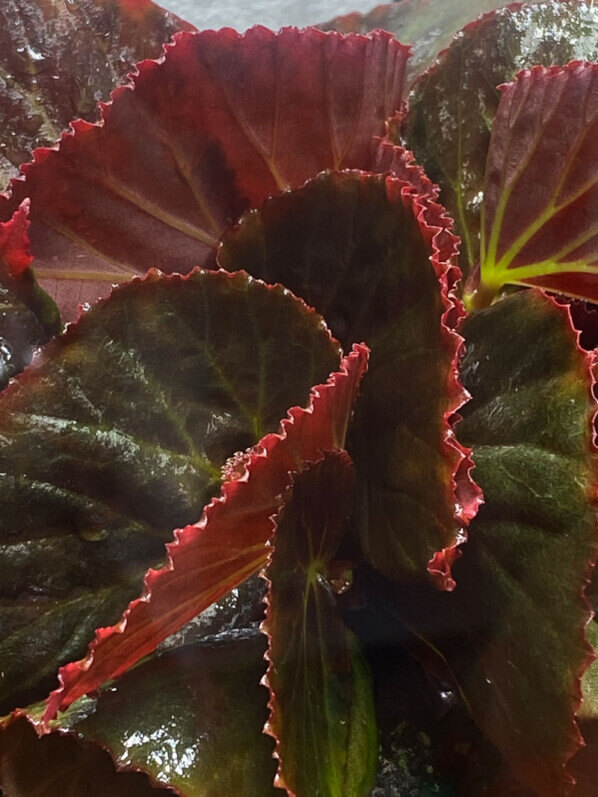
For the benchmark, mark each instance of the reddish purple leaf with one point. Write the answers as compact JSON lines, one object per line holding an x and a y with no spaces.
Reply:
{"x":216,"y":126}
{"x":227,"y":545}
{"x":540,"y":211}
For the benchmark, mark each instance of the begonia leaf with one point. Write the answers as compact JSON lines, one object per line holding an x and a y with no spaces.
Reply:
{"x":452,"y":106}
{"x":377,"y":260}
{"x":192,"y":718}
{"x":321,"y":703}
{"x":117,"y":435}
{"x":28,"y":317}
{"x":427,"y":25}
{"x":216,"y":126}
{"x":58,"y":58}
{"x":589,"y":682}
{"x":59,"y":764}
{"x":512,"y":634}
{"x":228,"y":543}
{"x":545,"y":135}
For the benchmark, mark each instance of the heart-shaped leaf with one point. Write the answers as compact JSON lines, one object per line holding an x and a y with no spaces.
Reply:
{"x":427,"y":25}
{"x":118,"y":435}
{"x":227,"y":544}
{"x":512,"y":634}
{"x":452,"y":106}
{"x":219,"y":124}
{"x":28,"y":317}
{"x":545,"y":135}
{"x":377,"y":260}
{"x":321,"y":704}
{"x":57,"y":59}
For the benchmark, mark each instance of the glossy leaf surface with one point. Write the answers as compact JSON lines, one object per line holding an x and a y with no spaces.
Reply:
{"x":57,"y":59}
{"x":545,"y":135}
{"x":427,"y":25}
{"x":512,"y":634}
{"x":118,"y":435}
{"x":229,"y":541}
{"x":453,"y":105}
{"x":321,"y":704}
{"x":191,"y":718}
{"x":376,"y":260}
{"x":28,"y":317}
{"x":221,"y":123}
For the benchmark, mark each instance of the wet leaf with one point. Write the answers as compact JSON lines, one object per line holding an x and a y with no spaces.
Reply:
{"x":545,"y":135}
{"x":59,"y":57}
{"x":227,"y":544}
{"x":221,"y":123}
{"x":453,"y":105}
{"x":321,"y":704}
{"x":377,"y":260}
{"x":117,"y":436}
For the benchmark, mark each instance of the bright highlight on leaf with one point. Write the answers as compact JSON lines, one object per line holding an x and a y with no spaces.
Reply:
{"x":321,"y":706}
{"x":539,"y":218}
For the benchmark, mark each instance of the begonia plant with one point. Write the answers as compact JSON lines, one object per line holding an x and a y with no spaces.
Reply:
{"x":297,"y":468}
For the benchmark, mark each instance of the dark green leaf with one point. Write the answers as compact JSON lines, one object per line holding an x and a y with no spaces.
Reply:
{"x":376,"y":261}
{"x":452,"y":106}
{"x":321,"y":704}
{"x":118,"y":435}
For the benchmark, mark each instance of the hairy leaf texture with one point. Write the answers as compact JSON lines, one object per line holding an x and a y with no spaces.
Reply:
{"x":427,"y":25}
{"x":28,"y":317}
{"x":452,"y":106}
{"x":213,"y":128}
{"x":59,"y":57}
{"x":377,"y":260}
{"x":117,"y":435}
{"x":539,"y":218}
{"x":321,"y":703}
{"x":228,"y":543}
{"x":512,"y":634}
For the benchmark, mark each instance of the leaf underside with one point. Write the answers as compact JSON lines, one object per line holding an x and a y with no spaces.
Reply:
{"x":545,"y":134}
{"x":512,"y":634}
{"x":57,"y":59}
{"x":117,"y":435}
{"x":321,"y":705}
{"x":227,"y":545}
{"x":376,"y":261}
{"x":452,"y":106}
{"x":221,"y":123}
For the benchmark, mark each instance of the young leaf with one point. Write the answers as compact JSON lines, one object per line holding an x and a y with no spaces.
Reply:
{"x":321,"y":704}
{"x":216,"y":126}
{"x":227,"y":544}
{"x":545,"y":135}
{"x":28,"y":317}
{"x":58,"y":58}
{"x":427,"y":25}
{"x":377,"y":260}
{"x":59,"y":764}
{"x":118,"y":434}
{"x":453,"y":104}
{"x":513,"y":632}
{"x":191,"y":718}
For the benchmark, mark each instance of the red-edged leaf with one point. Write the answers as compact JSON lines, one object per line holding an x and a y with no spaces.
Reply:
{"x":321,"y":704}
{"x":58,"y":59}
{"x":216,"y":126}
{"x":427,"y":25}
{"x":191,"y":718}
{"x":513,"y":632}
{"x":28,"y":317}
{"x":208,"y":559}
{"x":545,"y":136}
{"x":378,"y":261}
{"x":453,"y":104}
{"x":117,"y":435}
{"x":59,"y":764}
